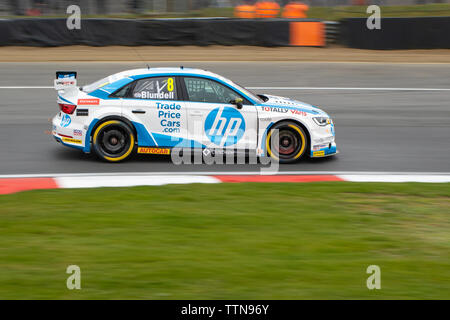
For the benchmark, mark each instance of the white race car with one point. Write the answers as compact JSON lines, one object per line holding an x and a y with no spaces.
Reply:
{"x":154,"y":110}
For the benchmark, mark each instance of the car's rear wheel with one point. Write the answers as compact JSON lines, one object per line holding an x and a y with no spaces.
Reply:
{"x":286,"y":142}
{"x":113,"y":140}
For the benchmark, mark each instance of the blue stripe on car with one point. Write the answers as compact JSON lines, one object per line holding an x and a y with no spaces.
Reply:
{"x":263,"y":139}
{"x":87,"y":141}
{"x":145,"y":139}
{"x":65,"y":100}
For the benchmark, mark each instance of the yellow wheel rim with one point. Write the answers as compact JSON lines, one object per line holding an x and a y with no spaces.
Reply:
{"x":300,"y":152}
{"x":126,"y":154}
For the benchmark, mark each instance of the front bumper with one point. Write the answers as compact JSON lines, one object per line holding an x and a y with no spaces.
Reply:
{"x":323,"y":142}
{"x":321,"y":151}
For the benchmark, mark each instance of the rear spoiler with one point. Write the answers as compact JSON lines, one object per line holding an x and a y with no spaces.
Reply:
{"x":65,"y":79}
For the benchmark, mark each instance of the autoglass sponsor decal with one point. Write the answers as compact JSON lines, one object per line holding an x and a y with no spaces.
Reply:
{"x":71,"y":140}
{"x":293,"y":111}
{"x":148,"y":150}
{"x":224,"y":126}
{"x":65,"y":121}
{"x":169,"y":116}
{"x":319,"y":153}
{"x":82,"y":102}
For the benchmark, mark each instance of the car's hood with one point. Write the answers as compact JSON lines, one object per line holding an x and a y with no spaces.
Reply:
{"x":287,"y":103}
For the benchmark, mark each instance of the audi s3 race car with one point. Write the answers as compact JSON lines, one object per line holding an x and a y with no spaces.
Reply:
{"x":154,"y":110}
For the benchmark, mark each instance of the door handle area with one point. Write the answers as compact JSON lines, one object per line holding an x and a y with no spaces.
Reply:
{"x":138,"y":111}
{"x":195,"y":113}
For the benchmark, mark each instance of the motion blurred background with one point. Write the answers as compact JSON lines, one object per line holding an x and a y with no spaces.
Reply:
{"x":160,"y":7}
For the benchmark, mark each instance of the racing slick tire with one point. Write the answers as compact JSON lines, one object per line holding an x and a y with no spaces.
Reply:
{"x":113,"y":141}
{"x":292,"y":142}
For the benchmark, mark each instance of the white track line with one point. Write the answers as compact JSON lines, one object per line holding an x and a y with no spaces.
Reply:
{"x":396,"y":178}
{"x":129,"y":181}
{"x":219,"y":173}
{"x":284,"y":88}
{"x":348,"y":88}
{"x":27,"y":87}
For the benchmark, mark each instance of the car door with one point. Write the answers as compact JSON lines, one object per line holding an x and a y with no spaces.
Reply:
{"x":213,"y":121}
{"x":154,"y":102}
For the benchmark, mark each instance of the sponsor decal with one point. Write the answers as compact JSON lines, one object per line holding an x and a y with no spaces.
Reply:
{"x":275,"y":109}
{"x":65,"y":121}
{"x":65,"y":82}
{"x":82,"y":112}
{"x":170,"y":116}
{"x":155,"y":95}
{"x":66,"y":74}
{"x":153,"y":150}
{"x":71,"y":140}
{"x":284,"y":110}
{"x":320,"y":146}
{"x":319,"y":153}
{"x":224,"y":126}
{"x":83,"y":102}
{"x":77,"y":132}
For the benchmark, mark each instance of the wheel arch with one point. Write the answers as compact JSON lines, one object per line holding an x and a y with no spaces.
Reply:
{"x":115,"y":117}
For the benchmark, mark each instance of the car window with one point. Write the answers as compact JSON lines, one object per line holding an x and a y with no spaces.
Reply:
{"x":205,"y":90}
{"x":122,"y":92}
{"x":158,"y":88}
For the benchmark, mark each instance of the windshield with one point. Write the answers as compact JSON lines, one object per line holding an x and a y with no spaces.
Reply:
{"x":248,"y":92}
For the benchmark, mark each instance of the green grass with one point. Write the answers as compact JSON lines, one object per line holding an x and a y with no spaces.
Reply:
{"x":323,"y":13}
{"x":228,"y":241}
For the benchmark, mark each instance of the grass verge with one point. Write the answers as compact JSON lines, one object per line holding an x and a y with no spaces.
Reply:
{"x":228,"y":241}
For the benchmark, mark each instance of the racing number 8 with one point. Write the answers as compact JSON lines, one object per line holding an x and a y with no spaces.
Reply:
{"x":170,"y":84}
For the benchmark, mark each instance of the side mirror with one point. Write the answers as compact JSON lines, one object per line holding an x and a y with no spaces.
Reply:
{"x":237,"y":102}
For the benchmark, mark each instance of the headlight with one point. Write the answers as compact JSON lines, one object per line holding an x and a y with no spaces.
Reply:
{"x":322,"y":121}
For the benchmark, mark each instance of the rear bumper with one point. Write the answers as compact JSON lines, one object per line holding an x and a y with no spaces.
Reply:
{"x":70,"y":135}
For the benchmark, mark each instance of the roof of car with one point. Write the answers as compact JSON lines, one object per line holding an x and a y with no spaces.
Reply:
{"x":178,"y":70}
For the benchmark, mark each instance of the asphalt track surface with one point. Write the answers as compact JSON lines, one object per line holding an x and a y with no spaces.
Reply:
{"x":388,"y":130}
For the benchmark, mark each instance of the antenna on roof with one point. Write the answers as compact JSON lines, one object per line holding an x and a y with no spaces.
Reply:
{"x":148,"y":67}
{"x":181,"y":67}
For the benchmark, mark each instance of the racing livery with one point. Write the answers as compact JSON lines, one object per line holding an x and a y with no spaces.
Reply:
{"x":154,"y":110}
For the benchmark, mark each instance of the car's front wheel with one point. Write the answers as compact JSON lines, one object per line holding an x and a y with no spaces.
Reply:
{"x":113,"y":140}
{"x":286,"y":142}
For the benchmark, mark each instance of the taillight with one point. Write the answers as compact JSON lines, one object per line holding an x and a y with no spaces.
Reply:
{"x":67,"y":108}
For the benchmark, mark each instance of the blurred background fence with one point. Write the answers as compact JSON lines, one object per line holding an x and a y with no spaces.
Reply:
{"x":102,"y":7}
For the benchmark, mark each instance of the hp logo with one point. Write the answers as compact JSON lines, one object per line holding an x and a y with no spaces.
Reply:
{"x":65,"y":120}
{"x":224,"y":126}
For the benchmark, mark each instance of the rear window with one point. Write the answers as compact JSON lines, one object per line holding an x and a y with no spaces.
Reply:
{"x":95,"y":85}
{"x":102,"y":82}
